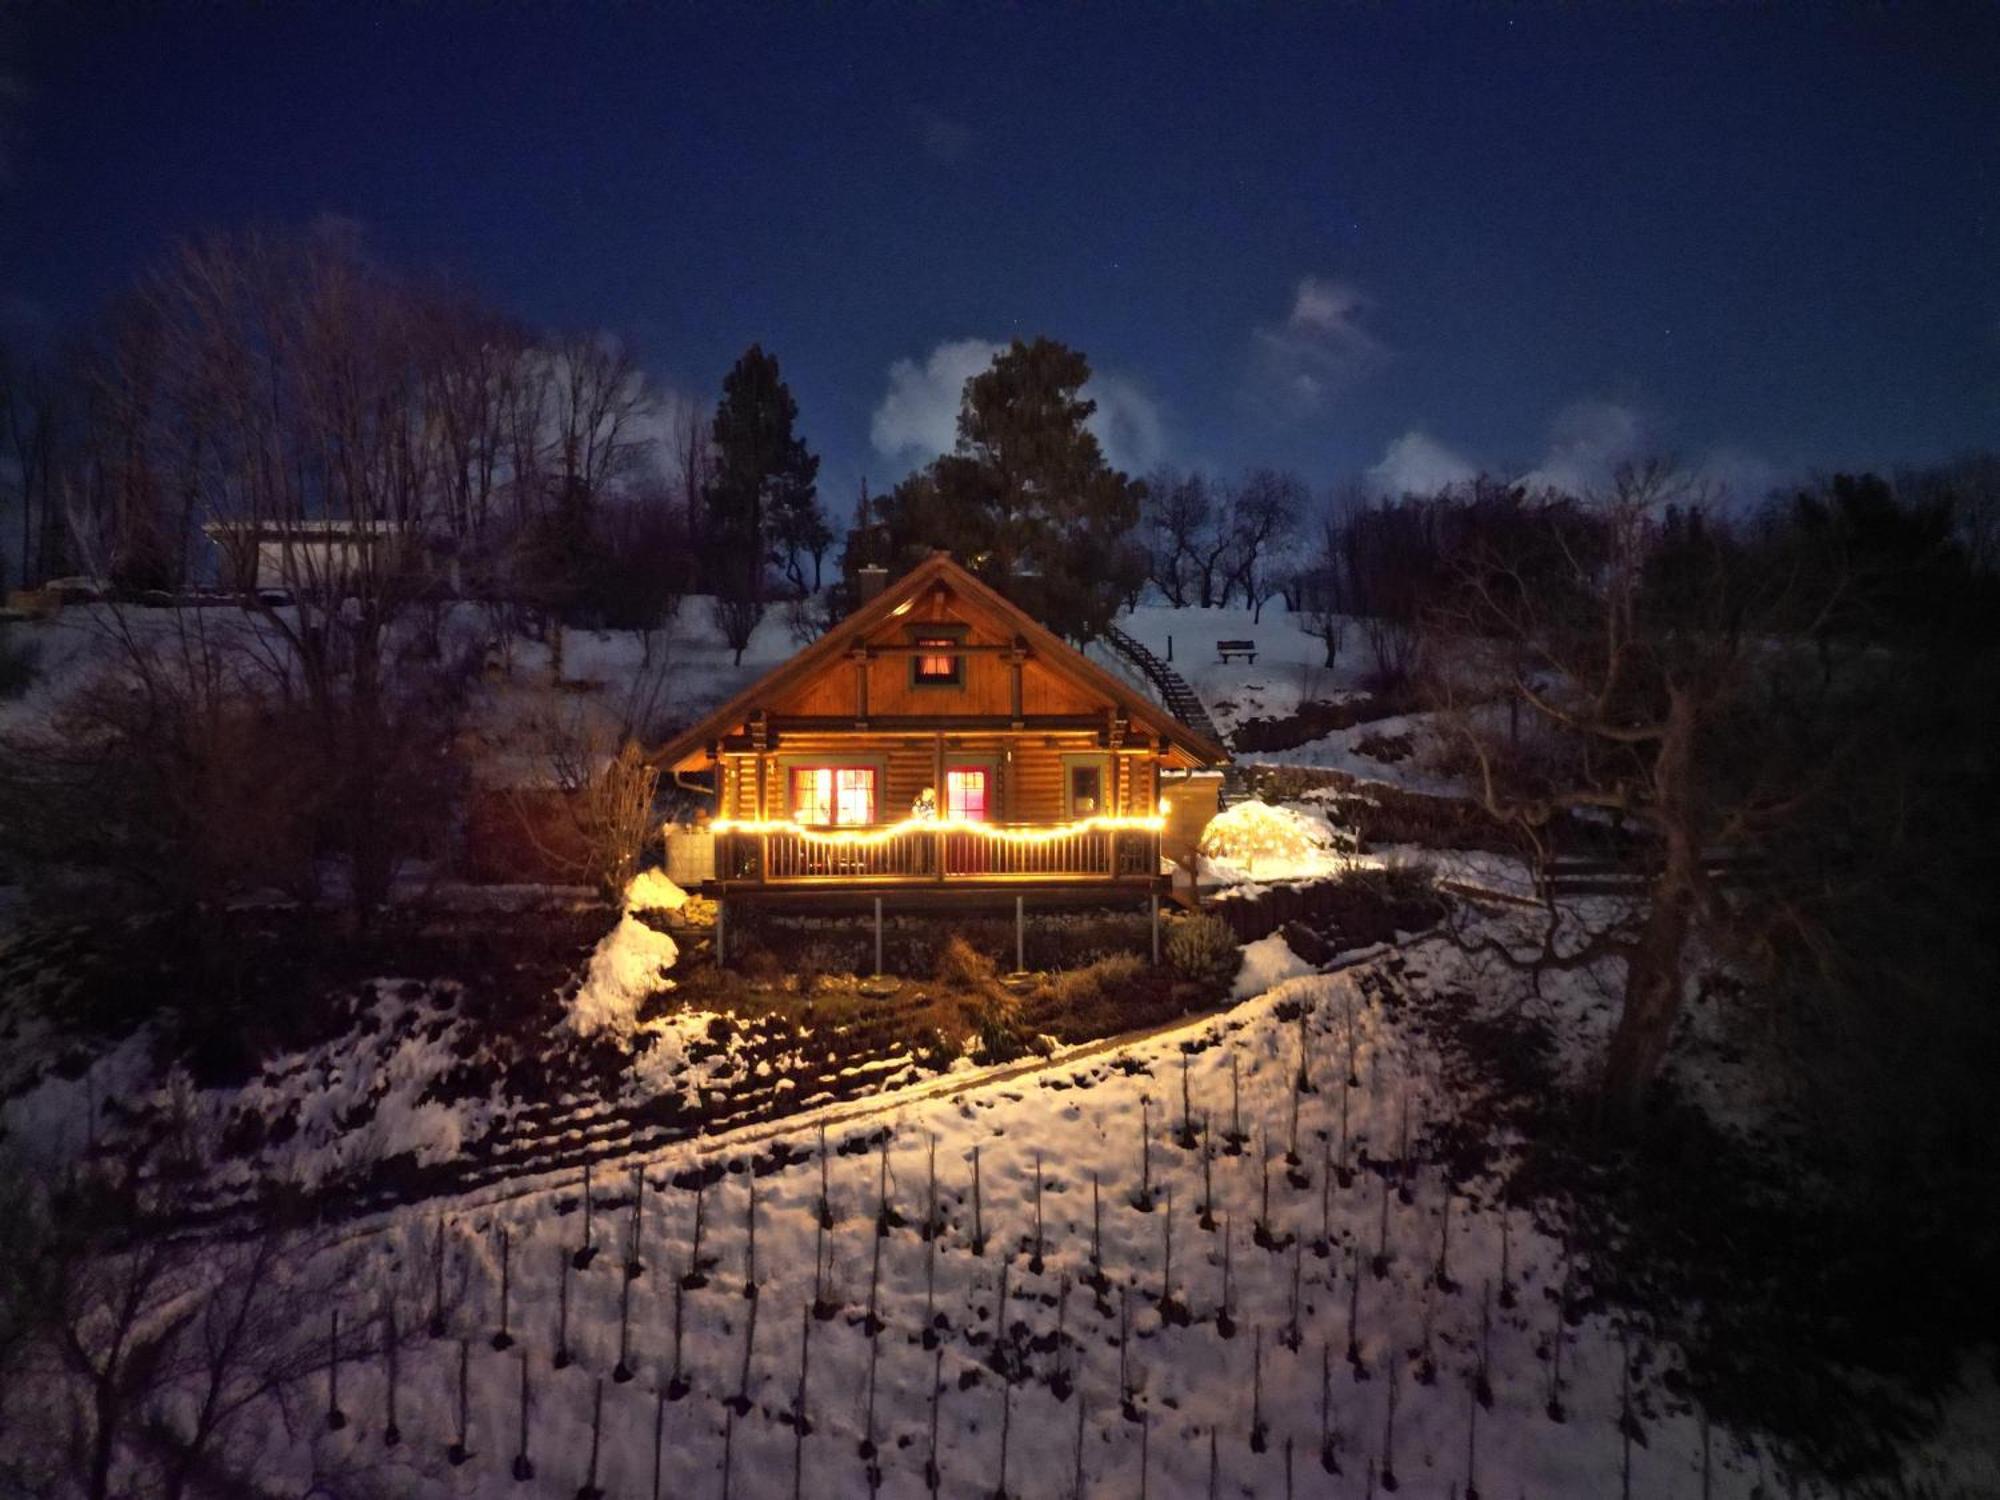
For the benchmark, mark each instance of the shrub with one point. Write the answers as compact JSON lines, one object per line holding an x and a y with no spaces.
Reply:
{"x":18,"y":659}
{"x":959,"y":963}
{"x":1203,"y":949}
{"x":1075,"y":989}
{"x":996,"y":1022}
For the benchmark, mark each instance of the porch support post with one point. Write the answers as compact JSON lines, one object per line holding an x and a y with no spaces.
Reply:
{"x":722,"y":932}
{"x":878,"y":934}
{"x":1020,"y":936}
{"x":1155,"y":899}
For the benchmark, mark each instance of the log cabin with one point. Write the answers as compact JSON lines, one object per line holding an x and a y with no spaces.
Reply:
{"x":937,"y":743}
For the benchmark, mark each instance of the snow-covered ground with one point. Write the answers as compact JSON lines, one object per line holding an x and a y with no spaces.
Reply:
{"x":1305,"y":1348}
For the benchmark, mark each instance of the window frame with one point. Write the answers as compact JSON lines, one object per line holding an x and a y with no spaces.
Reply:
{"x":1098,"y":761}
{"x":950,"y":634}
{"x":790,"y":767}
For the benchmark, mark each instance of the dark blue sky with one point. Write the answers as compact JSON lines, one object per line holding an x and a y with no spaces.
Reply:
{"x":1517,"y":238}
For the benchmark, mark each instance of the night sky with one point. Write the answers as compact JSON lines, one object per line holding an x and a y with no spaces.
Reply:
{"x":1408,"y":241}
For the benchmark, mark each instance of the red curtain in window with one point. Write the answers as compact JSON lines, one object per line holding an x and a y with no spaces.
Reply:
{"x":965,"y":793}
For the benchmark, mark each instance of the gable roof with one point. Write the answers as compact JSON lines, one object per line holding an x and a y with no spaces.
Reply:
{"x":1049,"y":649}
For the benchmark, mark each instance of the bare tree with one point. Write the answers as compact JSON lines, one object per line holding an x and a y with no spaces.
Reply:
{"x":1648,"y":701}
{"x":1267,"y":505}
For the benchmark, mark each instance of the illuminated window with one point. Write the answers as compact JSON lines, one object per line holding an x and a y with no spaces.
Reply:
{"x":941,"y":668}
{"x":965,"y":793}
{"x":836,"y":795}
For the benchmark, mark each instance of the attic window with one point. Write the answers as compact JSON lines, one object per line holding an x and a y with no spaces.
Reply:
{"x":940,"y":668}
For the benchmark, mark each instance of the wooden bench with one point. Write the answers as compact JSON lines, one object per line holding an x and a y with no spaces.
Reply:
{"x":1245,"y":649}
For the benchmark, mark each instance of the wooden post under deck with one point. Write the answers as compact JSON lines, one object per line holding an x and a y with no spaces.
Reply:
{"x":878,"y":934}
{"x":1020,"y":936}
{"x":1155,"y":899}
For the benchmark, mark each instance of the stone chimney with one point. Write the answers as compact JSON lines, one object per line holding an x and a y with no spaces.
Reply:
{"x":871,"y":578}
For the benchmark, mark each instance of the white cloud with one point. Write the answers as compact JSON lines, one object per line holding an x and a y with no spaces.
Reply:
{"x":1126,"y":423}
{"x":1418,"y":464}
{"x":1319,"y":352}
{"x":917,"y":417}
{"x":1587,"y":443}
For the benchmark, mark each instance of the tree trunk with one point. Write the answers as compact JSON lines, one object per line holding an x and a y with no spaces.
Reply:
{"x":1654,"y":980}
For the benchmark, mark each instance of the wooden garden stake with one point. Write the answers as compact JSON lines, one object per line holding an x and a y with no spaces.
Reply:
{"x":1076,"y":1484}
{"x":460,"y":1450}
{"x":524,"y":1468}
{"x":1389,"y":1425}
{"x":1225,"y":1320}
{"x":933,"y":1477}
{"x":1207,"y":1220}
{"x":561,"y":1360}
{"x":1214,"y":1469}
{"x":799,"y":1404}
{"x":588,"y":1252}
{"x":1325,"y":1246}
{"x":1472,"y":1447}
{"x":1125,"y":1349}
{"x":930,"y":1293}
{"x":978,"y":1209}
{"x":622,"y":1371}
{"x":749,"y":1352}
{"x":872,"y":1323}
{"x":1354,"y":1312}
{"x":1257,"y":1389}
{"x":1444,"y":1281}
{"x":1236,"y":1136}
{"x":1482,"y":1380}
{"x":659,"y":1441}
{"x":1187,"y":1105}
{"x":677,"y":1381}
{"x":1059,"y":1383}
{"x":750,"y":1242}
{"x":695,"y":1276}
{"x":634,"y":1266}
{"x":1294,"y":1334}
{"x":1329,"y":1457}
{"x":392,"y":1434}
{"x":1035,"y":1261}
{"x":882,"y":1219}
{"x":1144,"y":1202}
{"x":1292,"y":1158}
{"x":1167,"y":1256}
{"x":1006,"y":1433}
{"x":437,"y":1283}
{"x":825,"y":1205}
{"x":931,"y":1226}
{"x":1263,"y":1227}
{"x":868,"y":1451}
{"x":590,"y":1491}
{"x":503,"y":1340}
{"x":335,"y":1417}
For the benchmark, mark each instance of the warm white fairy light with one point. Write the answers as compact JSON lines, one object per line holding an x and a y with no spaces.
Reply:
{"x":997,"y":832}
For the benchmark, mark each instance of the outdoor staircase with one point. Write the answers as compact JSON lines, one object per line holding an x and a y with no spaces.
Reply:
{"x":1181,"y":702}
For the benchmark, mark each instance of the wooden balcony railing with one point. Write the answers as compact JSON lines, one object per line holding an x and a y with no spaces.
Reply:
{"x":939,"y":853}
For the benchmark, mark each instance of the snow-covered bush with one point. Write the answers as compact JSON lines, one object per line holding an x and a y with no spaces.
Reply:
{"x":650,"y":890}
{"x":1203,"y":949}
{"x":1257,"y":841}
{"x":628,"y":967}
